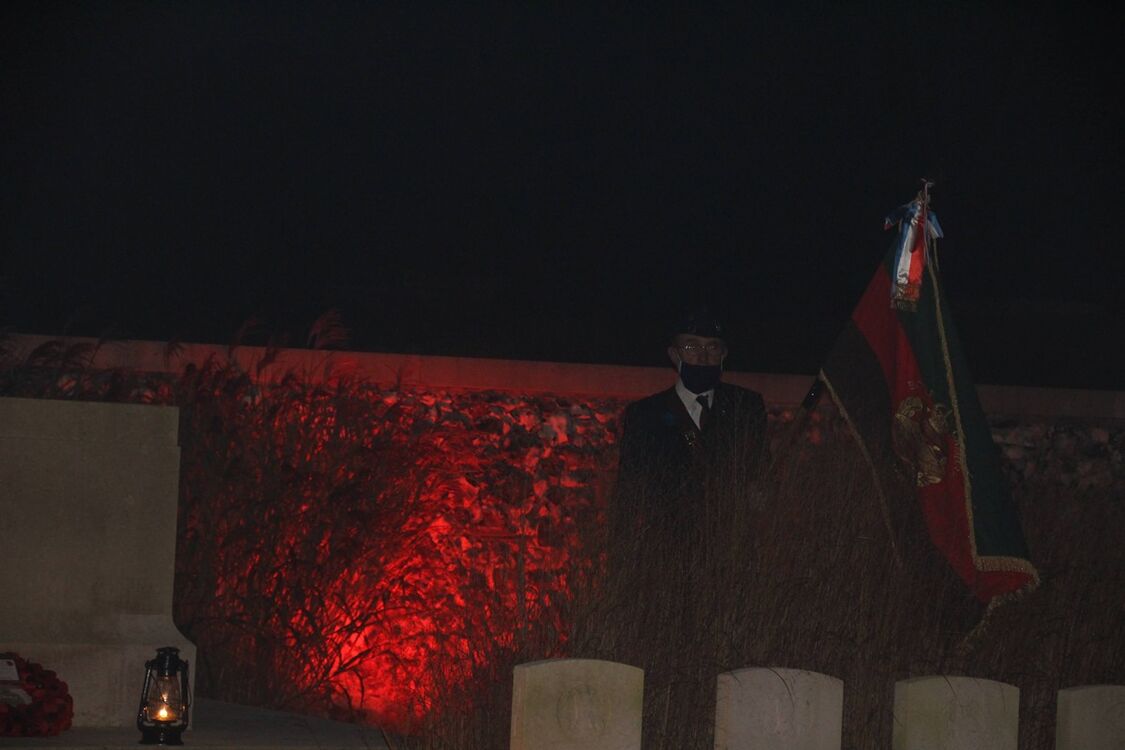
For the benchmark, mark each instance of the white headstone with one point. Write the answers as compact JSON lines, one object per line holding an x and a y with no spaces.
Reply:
{"x":1091,"y":717}
{"x":576,"y":704}
{"x":780,"y":709}
{"x":955,"y":713}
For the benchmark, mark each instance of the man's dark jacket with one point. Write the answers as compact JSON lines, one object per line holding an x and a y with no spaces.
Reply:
{"x":665,"y":459}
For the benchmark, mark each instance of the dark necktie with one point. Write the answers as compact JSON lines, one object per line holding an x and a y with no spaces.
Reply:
{"x":705,"y":411}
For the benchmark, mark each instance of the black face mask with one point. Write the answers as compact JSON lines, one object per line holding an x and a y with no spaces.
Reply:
{"x":700,"y":378}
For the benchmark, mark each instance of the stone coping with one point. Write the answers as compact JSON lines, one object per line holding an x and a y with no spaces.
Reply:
{"x":219,"y":726}
{"x":561,"y":378}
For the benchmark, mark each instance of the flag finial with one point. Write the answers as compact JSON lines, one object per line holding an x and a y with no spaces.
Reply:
{"x":917,"y":226}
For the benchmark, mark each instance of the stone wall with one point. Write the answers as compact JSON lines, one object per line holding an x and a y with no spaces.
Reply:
{"x":88,"y":496}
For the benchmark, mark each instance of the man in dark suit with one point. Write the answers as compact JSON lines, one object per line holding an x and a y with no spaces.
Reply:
{"x":689,"y":460}
{"x":698,"y":431}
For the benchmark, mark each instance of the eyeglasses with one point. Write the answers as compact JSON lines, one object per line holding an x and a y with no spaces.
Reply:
{"x":711,"y":347}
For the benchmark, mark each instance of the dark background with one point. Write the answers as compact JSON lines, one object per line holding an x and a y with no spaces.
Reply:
{"x":549,"y":183}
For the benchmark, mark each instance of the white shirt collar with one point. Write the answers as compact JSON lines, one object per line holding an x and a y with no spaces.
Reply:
{"x":691,"y":400}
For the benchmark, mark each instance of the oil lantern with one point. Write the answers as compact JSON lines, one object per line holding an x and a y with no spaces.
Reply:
{"x":163,"y":714}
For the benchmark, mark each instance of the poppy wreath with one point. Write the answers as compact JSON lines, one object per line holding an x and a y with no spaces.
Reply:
{"x":51,"y":709}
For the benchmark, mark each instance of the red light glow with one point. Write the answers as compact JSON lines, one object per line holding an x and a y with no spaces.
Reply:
{"x":373,"y":549}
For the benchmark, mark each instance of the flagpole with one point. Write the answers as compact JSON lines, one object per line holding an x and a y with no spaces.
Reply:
{"x":924,"y":199}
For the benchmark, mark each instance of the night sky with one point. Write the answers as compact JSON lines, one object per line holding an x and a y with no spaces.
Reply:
{"x":559,"y":184}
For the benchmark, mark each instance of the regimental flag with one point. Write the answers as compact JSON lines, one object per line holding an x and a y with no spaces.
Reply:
{"x":899,"y":378}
